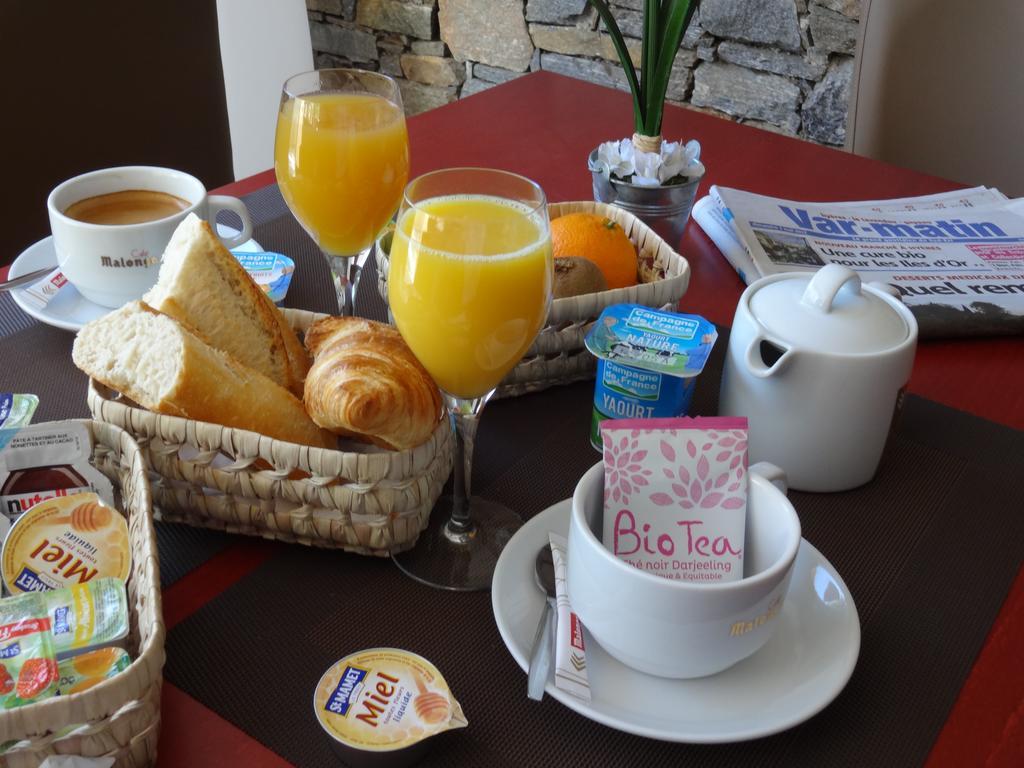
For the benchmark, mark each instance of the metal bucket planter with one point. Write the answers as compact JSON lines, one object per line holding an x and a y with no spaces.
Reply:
{"x":664,"y":209}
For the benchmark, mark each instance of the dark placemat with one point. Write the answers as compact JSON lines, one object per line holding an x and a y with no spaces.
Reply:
{"x":184,"y":548}
{"x":12,"y":319}
{"x":928,"y":550}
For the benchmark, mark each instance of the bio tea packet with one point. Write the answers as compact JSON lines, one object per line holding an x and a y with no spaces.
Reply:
{"x":675,"y":496}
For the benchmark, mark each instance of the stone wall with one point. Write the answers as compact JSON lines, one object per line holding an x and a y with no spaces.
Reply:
{"x":784,"y":65}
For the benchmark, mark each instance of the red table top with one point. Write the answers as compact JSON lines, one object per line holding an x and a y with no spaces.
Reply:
{"x":543,"y":126}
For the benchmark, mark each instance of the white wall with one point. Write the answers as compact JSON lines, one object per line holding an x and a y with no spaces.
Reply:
{"x":262,"y":43}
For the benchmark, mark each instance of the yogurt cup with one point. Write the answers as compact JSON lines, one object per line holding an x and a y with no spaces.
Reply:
{"x":381,"y":705}
{"x":648,"y":361}
{"x":272,"y":272}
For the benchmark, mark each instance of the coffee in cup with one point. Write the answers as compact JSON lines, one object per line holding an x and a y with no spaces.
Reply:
{"x":110,"y":227}
{"x":132,"y":206}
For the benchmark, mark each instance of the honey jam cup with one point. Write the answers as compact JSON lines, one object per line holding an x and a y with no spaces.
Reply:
{"x":380,"y":707}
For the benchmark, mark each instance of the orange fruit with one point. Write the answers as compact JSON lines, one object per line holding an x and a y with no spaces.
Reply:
{"x":598,"y":239}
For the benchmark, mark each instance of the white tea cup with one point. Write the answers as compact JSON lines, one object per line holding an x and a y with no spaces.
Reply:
{"x":113,"y":263}
{"x":681,"y":629}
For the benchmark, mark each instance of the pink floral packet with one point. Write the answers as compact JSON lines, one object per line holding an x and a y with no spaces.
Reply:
{"x":675,"y":495}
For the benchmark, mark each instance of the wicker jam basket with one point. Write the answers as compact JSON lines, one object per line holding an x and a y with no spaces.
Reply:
{"x":558,"y":355}
{"x":367,"y":501}
{"x":120,"y":717}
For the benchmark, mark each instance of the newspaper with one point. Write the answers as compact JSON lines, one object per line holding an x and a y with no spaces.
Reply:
{"x":957,"y":258}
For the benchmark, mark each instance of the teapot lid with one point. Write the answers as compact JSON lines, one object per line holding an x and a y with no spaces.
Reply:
{"x":828,"y":311}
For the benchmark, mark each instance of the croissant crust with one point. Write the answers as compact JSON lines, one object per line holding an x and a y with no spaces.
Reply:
{"x":366,"y":383}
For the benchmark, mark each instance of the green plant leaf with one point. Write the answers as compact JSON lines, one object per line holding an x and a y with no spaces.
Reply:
{"x":627,"y":64}
{"x":678,"y":14}
{"x":649,"y":55}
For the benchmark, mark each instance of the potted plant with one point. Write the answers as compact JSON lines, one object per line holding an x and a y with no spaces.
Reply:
{"x":653,"y":178}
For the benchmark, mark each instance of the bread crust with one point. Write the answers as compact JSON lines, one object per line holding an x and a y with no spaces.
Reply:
{"x":298,"y":358}
{"x":206,"y":384}
{"x":366,"y":383}
{"x":213,"y":295}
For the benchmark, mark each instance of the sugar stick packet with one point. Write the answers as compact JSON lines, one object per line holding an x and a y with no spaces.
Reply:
{"x":570,"y":653}
{"x":675,"y":496}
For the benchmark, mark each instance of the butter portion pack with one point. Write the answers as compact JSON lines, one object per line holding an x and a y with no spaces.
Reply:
{"x":87,"y":616}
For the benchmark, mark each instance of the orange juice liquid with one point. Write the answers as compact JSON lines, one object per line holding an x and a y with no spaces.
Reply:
{"x":469,"y":286}
{"x":342,"y":161}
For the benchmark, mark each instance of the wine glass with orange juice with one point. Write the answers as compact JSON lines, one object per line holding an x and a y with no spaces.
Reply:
{"x":469,"y":286}
{"x":341,"y":156}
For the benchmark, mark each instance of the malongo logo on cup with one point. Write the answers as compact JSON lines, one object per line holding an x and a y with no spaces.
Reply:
{"x":139,"y":258}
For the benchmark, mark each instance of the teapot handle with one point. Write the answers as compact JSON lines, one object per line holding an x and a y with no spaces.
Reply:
{"x":822,"y":289}
{"x":756,"y":364}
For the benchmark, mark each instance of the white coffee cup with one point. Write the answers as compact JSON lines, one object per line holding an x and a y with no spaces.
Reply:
{"x":111,"y":264}
{"x":681,"y":629}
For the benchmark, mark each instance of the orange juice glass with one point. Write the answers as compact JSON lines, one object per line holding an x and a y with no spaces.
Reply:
{"x":445,"y":280}
{"x":469,"y":286}
{"x":341,"y":156}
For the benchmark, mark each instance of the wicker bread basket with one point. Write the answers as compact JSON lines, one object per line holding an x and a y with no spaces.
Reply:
{"x":120,"y":717}
{"x":366,"y":501}
{"x":558,"y":355}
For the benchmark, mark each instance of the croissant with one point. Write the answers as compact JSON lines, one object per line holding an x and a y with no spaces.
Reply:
{"x":366,"y":383}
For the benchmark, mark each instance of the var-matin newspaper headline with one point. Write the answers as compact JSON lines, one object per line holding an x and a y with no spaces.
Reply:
{"x":956,"y":258}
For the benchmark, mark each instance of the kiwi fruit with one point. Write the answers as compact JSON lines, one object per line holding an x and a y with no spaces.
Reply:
{"x":575,"y":276}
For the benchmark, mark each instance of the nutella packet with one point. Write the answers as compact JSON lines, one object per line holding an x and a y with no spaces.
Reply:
{"x":675,"y":496}
{"x":46,"y":461}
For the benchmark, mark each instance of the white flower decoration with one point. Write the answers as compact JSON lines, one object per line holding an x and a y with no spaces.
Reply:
{"x":648,"y":164}
{"x":615,"y":158}
{"x":649,"y":169}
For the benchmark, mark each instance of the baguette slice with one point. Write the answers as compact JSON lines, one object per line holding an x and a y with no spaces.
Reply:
{"x":205,"y":288}
{"x":166,"y":368}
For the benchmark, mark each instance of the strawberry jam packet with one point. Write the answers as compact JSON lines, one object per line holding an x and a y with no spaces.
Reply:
{"x":28,"y":662}
{"x":675,"y":496}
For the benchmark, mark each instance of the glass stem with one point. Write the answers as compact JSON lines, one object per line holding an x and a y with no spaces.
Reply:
{"x":466,"y":415}
{"x":345,"y":271}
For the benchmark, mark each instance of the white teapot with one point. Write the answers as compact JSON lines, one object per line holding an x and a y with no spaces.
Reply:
{"x":817,"y":363}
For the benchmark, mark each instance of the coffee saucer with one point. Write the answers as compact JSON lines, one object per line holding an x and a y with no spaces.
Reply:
{"x":801,"y":669}
{"x":69,"y":309}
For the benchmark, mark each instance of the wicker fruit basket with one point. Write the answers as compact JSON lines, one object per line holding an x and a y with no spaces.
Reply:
{"x":120,"y":717}
{"x":364,"y":500}
{"x":558,"y":355}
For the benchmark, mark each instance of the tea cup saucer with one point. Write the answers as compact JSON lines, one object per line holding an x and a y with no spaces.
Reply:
{"x":69,"y":309}
{"x":802,"y":668}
